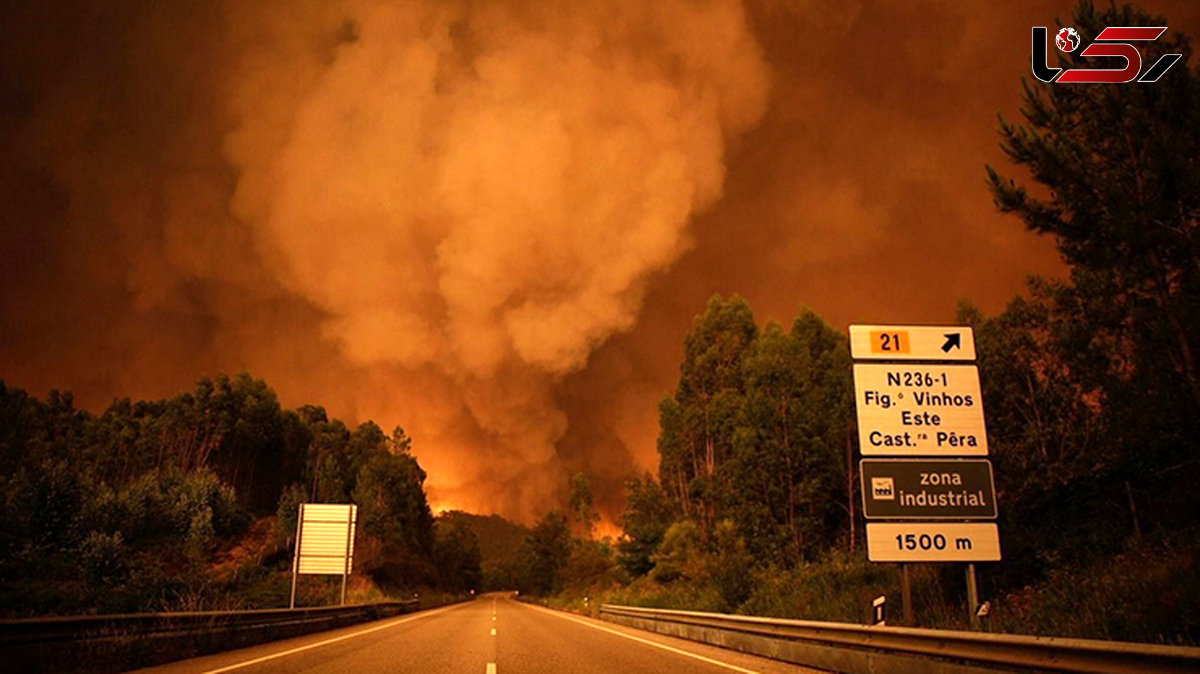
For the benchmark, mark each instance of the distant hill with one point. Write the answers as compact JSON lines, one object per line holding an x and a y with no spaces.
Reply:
{"x":498,"y":537}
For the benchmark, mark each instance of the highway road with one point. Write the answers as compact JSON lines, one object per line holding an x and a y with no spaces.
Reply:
{"x":490,"y":635}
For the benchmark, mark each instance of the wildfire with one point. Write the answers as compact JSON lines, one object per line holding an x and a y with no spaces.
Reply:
{"x":606,"y":528}
{"x":440,"y":507}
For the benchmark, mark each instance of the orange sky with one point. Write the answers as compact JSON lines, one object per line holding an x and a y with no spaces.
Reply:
{"x":491,"y":223}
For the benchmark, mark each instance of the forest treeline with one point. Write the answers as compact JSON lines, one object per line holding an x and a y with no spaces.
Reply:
{"x":1090,"y":386}
{"x":191,"y":502}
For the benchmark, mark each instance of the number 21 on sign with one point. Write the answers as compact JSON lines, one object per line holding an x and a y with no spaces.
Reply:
{"x":893,"y":341}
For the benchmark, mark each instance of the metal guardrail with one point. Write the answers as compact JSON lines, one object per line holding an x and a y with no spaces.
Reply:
{"x":104,"y":643}
{"x":69,"y":628}
{"x":73,"y":628}
{"x":847,"y":647}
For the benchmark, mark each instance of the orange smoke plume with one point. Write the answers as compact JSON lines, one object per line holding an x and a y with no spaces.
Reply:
{"x":475,"y":195}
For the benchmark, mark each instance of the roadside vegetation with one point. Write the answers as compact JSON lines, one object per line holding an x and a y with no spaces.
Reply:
{"x":190,"y":503}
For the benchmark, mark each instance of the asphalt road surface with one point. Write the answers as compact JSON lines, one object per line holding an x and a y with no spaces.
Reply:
{"x":490,"y":635}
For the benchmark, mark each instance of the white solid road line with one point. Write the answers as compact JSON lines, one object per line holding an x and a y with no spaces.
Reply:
{"x":491,"y":668}
{"x":648,"y":642}
{"x":255,"y":661}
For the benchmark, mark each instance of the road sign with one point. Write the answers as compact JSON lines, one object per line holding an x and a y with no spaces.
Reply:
{"x":919,"y":410}
{"x":912,"y":342}
{"x":326,"y":538}
{"x":324,"y":542}
{"x":933,"y":542}
{"x":928,"y":489}
{"x":921,"y":398}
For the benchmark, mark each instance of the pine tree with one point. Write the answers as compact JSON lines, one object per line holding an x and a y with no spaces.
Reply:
{"x":1121,"y":166}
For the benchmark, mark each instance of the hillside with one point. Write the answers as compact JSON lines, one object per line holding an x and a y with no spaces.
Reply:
{"x":499,"y":538}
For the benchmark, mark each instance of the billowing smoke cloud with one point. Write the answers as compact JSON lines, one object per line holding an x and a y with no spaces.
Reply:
{"x":467,"y":197}
{"x":479,"y":192}
{"x":490,"y":222}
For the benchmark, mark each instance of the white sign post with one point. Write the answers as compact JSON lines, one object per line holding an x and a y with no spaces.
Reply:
{"x":324,"y":542}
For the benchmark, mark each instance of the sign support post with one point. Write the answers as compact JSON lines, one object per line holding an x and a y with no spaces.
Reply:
{"x":296,"y":556}
{"x":346,"y":566}
{"x":906,"y":594}
{"x":972,"y":596}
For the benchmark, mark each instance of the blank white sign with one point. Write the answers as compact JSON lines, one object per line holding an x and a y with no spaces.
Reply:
{"x":326,"y":538}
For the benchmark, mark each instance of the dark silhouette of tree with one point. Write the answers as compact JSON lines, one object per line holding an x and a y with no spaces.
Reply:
{"x":697,"y":425}
{"x":545,"y":553}
{"x":648,"y":514}
{"x":1092,"y":384}
{"x":1118,"y":166}
{"x":581,"y":505}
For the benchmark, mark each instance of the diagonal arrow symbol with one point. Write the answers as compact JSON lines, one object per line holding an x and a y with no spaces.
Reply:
{"x":953,"y":341}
